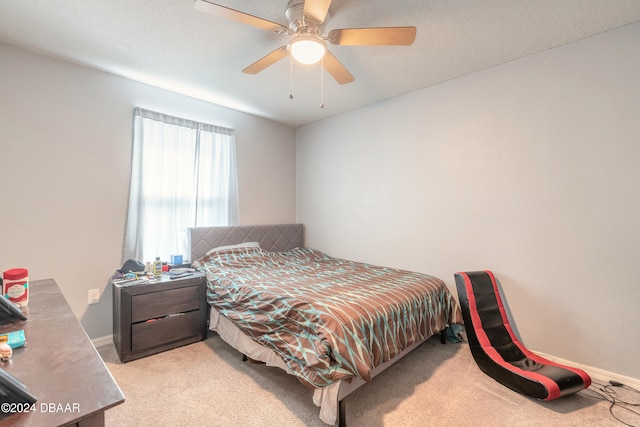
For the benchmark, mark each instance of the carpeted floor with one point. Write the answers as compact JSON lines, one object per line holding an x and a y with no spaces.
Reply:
{"x":436,"y":385}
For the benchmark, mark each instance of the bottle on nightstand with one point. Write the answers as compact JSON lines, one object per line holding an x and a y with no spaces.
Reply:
{"x":157,"y":268}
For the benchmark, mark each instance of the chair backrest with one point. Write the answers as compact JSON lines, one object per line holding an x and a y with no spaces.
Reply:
{"x":485,"y":319}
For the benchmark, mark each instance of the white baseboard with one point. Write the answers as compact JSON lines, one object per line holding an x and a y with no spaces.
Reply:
{"x":597,"y":374}
{"x":106,"y":340}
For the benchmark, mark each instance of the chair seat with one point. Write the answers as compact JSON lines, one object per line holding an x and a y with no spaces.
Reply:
{"x":499,"y":353}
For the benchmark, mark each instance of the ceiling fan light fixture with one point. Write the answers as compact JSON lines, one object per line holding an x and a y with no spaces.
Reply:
{"x":307,"y":50}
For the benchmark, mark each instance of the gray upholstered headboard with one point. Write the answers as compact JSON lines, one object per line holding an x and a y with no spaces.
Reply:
{"x":278,"y":237}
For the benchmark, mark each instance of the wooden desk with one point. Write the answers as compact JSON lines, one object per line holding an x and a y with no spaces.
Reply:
{"x":59,"y":365}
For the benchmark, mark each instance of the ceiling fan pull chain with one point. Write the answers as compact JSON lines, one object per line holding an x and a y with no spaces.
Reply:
{"x":321,"y":83}
{"x":290,"y":77}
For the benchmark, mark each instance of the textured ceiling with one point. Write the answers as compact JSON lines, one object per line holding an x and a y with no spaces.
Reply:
{"x":167,"y":43}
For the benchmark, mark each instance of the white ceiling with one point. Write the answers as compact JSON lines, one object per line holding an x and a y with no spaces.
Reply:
{"x":167,"y":43}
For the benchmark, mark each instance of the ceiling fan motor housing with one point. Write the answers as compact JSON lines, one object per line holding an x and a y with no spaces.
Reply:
{"x":298,"y":23}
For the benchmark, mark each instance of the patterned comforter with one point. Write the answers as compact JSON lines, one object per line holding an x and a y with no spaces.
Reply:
{"x":327,"y":318}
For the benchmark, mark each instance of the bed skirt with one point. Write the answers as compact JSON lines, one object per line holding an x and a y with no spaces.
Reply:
{"x":326,"y":398}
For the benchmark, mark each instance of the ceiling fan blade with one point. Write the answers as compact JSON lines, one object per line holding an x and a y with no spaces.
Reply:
{"x":235,"y":15}
{"x":316,"y":9}
{"x":383,"y":36}
{"x":336,"y":69}
{"x":267,"y":60}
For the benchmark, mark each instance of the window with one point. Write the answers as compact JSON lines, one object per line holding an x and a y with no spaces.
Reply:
{"x":183,"y":174}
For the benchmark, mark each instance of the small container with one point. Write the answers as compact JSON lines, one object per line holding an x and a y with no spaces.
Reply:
{"x":15,"y":286}
{"x":157,"y":268}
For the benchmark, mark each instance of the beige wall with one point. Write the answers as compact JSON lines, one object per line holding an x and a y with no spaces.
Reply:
{"x":529,"y":169}
{"x":65,"y":144}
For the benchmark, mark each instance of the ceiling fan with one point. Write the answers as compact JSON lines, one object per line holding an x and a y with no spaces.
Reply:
{"x":307,"y":21}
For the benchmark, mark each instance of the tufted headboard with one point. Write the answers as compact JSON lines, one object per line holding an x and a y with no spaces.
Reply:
{"x":277,"y":237}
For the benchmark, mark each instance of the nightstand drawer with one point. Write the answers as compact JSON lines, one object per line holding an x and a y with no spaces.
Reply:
{"x":165,"y":330}
{"x":159,"y":304}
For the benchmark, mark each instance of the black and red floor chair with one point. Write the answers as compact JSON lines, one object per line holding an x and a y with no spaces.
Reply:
{"x":499,"y":353}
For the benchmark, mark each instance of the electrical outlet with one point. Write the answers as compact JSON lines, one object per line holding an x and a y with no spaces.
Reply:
{"x":94,"y":296}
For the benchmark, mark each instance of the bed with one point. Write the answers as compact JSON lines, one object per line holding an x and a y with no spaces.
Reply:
{"x":334,"y":324}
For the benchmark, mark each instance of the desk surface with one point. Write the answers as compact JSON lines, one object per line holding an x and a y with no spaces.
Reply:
{"x":59,"y":365}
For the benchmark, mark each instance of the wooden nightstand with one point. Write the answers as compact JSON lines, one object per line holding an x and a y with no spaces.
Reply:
{"x":156,"y":316}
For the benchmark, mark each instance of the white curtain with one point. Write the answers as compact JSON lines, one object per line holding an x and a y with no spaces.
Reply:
{"x":183,"y":174}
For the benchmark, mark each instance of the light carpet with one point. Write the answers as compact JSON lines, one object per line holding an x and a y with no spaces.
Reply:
{"x":207,"y":383}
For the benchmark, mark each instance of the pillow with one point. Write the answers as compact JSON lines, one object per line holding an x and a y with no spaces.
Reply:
{"x":239,"y":245}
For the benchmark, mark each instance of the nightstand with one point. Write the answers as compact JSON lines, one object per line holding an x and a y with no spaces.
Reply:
{"x":159,"y":315}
